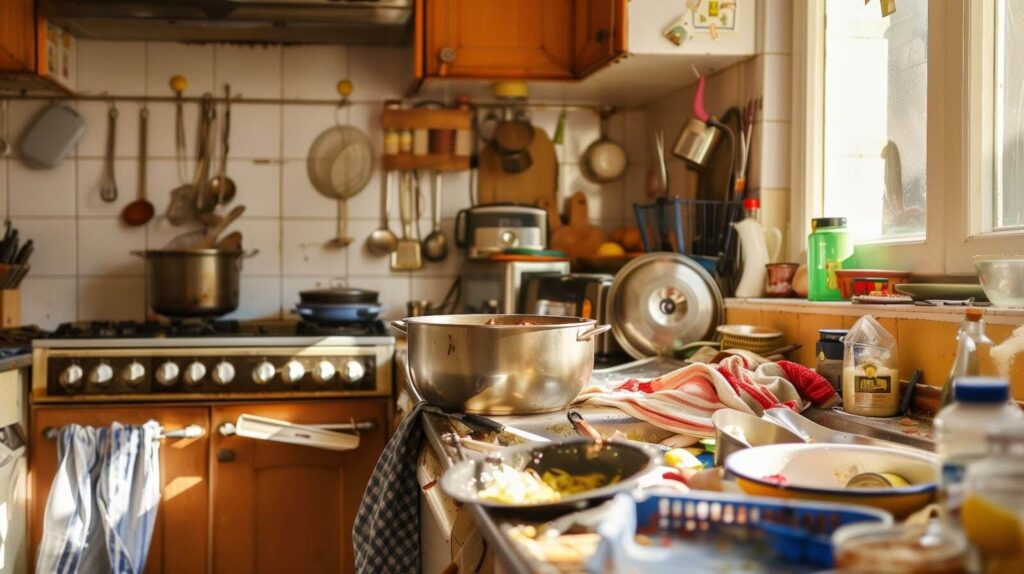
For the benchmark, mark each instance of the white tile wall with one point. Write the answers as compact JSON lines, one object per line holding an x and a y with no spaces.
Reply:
{"x":82,"y":268}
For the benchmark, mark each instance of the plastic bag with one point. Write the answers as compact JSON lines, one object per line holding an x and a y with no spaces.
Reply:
{"x":871,"y":382}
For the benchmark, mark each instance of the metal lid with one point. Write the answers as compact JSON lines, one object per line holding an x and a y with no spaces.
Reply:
{"x":662,"y":301}
{"x":823,"y":222}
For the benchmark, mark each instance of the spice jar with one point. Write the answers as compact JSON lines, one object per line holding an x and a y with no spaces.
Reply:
{"x":391,"y":137}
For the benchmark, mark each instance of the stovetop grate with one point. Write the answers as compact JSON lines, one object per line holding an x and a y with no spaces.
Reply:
{"x":210,"y":328}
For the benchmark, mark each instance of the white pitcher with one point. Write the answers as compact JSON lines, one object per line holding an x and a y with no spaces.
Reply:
{"x":754,"y":251}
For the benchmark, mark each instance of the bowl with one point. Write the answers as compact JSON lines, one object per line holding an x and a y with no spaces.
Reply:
{"x":752,"y":431}
{"x":846,"y":278}
{"x":1002,"y":278}
{"x":821,"y":471}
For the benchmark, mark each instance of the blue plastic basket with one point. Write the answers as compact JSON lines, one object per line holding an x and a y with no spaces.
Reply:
{"x":796,"y":532}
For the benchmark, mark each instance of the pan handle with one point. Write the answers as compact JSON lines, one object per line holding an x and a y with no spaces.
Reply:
{"x":401,"y":326}
{"x":591,"y":332}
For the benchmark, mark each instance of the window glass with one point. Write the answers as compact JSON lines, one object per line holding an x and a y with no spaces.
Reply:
{"x":876,"y":109}
{"x":1008,"y":203}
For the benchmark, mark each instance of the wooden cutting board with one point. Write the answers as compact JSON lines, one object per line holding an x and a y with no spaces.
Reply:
{"x":539,"y":183}
{"x":578,"y":238}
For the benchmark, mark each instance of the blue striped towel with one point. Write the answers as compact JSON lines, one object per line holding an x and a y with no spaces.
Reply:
{"x":102,"y":507}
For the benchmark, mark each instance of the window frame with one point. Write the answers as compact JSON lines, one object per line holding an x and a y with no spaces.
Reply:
{"x":960,"y":141}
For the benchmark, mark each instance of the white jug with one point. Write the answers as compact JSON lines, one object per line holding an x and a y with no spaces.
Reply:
{"x":754,"y":251}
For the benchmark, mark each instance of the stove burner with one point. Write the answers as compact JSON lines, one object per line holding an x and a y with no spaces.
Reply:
{"x":211,"y":328}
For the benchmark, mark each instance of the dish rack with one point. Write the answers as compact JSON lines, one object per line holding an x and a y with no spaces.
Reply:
{"x":698,"y":228}
{"x":721,"y":532}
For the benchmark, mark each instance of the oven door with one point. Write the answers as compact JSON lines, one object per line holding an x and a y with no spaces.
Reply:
{"x":289,"y":506}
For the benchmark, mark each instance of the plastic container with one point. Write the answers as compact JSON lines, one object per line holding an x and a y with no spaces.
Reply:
{"x":930,"y":548}
{"x":993,"y":511}
{"x":981,"y":406}
{"x":828,"y":247}
{"x":971,"y":344}
{"x":710,"y":532}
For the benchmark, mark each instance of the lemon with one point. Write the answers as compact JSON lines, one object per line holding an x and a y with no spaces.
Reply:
{"x":609,"y":249}
{"x":995,"y":531}
{"x":682,"y":458}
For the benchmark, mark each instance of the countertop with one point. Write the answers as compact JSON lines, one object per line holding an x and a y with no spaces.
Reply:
{"x":16,"y":362}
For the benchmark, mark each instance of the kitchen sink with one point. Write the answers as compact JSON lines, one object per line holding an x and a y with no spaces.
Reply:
{"x":905,"y":431}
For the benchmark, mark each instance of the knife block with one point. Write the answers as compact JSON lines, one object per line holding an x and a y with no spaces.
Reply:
{"x":10,"y":308}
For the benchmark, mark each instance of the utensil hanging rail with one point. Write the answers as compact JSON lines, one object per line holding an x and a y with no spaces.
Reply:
{"x":190,"y":431}
{"x":228,"y":428}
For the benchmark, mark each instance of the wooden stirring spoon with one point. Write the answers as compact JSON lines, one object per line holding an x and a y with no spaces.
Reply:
{"x":140,"y":211}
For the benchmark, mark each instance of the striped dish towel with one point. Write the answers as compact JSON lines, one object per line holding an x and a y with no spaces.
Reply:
{"x":102,"y":506}
{"x":684,"y":400}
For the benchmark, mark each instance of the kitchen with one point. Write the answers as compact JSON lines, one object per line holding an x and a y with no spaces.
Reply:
{"x":301,"y":258}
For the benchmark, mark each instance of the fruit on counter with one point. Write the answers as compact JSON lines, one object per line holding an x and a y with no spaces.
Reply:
{"x":610,"y":249}
{"x":993,"y":530}
{"x":629,"y":238}
{"x":682,"y":458}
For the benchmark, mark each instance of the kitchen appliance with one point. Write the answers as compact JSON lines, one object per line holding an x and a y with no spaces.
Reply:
{"x":490,"y":229}
{"x":573,"y":295}
{"x":494,"y":286}
{"x":264,"y":21}
{"x":193,"y":282}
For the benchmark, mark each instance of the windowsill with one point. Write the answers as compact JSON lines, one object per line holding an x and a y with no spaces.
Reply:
{"x":993,"y":315}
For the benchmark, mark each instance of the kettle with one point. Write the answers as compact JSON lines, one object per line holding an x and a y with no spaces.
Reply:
{"x":698,"y":138}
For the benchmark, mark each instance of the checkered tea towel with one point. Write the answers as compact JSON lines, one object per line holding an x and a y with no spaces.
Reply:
{"x":386,"y":533}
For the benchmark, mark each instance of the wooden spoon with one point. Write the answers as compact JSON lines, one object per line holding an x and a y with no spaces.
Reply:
{"x":231,"y":242}
{"x":210,"y":239}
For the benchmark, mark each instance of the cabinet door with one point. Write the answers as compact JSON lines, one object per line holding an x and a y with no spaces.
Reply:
{"x":290,"y":508}
{"x":499,"y":38}
{"x":180,"y":537}
{"x":17,"y":36}
{"x":600,"y":33}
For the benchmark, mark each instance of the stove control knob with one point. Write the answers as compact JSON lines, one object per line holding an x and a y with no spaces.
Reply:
{"x":292,"y":371}
{"x":133,"y":373}
{"x":353,"y":372}
{"x":323,"y":372}
{"x":223,"y":373}
{"x":101,"y":375}
{"x":263,"y":372}
{"x":167,"y":374}
{"x":71,"y":378}
{"x":194,"y":373}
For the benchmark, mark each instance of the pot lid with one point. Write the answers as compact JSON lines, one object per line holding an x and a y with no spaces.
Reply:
{"x":662,"y":301}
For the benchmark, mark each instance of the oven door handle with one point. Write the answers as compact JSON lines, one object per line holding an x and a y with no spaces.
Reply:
{"x":316,"y":436}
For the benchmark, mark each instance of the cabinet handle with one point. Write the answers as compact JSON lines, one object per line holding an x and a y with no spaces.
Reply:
{"x":445,"y":55}
{"x":225,"y":455}
{"x":601,"y":36}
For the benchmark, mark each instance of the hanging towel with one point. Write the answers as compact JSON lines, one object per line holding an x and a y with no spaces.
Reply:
{"x":386,"y":534}
{"x":102,"y":506}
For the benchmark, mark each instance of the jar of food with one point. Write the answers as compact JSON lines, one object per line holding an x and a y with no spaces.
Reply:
{"x":992,"y":515}
{"x":828,"y":246}
{"x":463,"y":137}
{"x":391,"y":137}
{"x":829,"y":351}
{"x":929,"y":548}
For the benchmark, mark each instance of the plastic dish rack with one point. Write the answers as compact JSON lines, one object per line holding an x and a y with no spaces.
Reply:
{"x":710,"y":532}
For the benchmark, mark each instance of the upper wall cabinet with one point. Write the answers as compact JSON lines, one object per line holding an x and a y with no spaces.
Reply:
{"x":542,"y":39}
{"x":17,"y":36}
{"x":35,"y":55}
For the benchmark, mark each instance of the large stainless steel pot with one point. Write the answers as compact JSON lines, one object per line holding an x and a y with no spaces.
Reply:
{"x":193,"y":282}
{"x":461,"y":363}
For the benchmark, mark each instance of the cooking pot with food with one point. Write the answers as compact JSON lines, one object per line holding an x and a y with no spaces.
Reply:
{"x":500,"y":364}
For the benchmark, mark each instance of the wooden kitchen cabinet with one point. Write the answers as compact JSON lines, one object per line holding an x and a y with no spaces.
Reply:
{"x":180,"y":540}
{"x":518,"y":39}
{"x":289,"y":508}
{"x":17,"y":36}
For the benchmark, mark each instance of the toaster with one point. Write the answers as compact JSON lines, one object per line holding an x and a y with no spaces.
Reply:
{"x":487,"y":230}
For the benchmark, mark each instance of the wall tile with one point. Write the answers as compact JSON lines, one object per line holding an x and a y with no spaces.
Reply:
{"x":42,"y":192}
{"x":162,"y":177}
{"x":162,"y":118}
{"x":90,"y":177}
{"x":54,"y":241}
{"x":111,"y":67}
{"x":313,"y":72}
{"x":379,"y":72}
{"x":769,"y":161}
{"x":165,"y":60}
{"x":305,"y":250}
{"x":259,"y":186}
{"x":302,"y":124}
{"x":778,"y":26}
{"x":775,"y":213}
{"x":255,"y":132}
{"x":264,"y":235}
{"x":260,"y":298}
{"x":300,"y":198}
{"x":777,"y":87}
{"x":94,"y":140}
{"x":454,"y":193}
{"x":253,"y":71}
{"x":367,"y":118}
{"x":111,"y":299}
{"x":105,"y":245}
{"x":582,"y":128}
{"x":48,"y":301}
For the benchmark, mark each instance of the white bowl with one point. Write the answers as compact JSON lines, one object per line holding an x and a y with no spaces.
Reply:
{"x":1002,"y":278}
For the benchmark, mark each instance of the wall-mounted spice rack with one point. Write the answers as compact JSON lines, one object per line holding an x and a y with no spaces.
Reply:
{"x":426,"y":138}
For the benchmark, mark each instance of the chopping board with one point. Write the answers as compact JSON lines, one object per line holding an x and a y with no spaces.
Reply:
{"x":539,"y":183}
{"x":578,"y":238}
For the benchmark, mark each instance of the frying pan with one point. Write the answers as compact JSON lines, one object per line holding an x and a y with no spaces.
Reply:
{"x":575,"y":456}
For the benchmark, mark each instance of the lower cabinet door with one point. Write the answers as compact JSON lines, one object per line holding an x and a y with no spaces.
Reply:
{"x":180,"y":539}
{"x":286,"y":507}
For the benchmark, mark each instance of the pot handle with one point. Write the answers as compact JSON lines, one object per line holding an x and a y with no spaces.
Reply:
{"x":591,"y":332}
{"x":401,"y":326}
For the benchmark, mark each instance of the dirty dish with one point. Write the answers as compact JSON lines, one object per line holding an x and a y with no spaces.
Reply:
{"x":846,"y":278}
{"x":1002,"y":278}
{"x":822,"y":471}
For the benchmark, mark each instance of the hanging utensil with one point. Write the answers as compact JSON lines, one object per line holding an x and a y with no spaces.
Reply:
{"x":140,"y":211}
{"x":222,"y":187}
{"x":213,"y":233}
{"x":205,"y":202}
{"x":182,"y":207}
{"x":5,"y":146}
{"x":407,"y":255}
{"x":382,"y":240}
{"x":604,"y":160}
{"x":339,"y":165}
{"x":178,"y":85}
{"x":108,"y":185}
{"x":435,"y":246}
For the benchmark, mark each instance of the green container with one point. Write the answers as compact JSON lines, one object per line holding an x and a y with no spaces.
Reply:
{"x":828,"y":247}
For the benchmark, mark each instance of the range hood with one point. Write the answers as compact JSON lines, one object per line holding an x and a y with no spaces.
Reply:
{"x":270,"y":21}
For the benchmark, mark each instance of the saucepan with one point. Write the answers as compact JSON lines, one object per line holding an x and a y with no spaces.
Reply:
{"x":500,"y":364}
{"x":583,"y":471}
{"x":193,"y":282}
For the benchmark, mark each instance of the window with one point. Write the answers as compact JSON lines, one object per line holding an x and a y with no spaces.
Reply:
{"x":1007,"y":200}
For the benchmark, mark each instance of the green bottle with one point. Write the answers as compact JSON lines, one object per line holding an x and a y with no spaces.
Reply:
{"x":828,"y":247}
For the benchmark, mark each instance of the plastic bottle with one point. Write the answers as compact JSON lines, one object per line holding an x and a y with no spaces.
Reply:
{"x":972,"y":344}
{"x":981,"y":405}
{"x":993,"y":511}
{"x":828,"y":246}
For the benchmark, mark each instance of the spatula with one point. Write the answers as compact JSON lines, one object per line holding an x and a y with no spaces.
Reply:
{"x":210,"y":239}
{"x":407,"y":255}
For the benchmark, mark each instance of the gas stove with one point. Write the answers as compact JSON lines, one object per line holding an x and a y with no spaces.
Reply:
{"x":202,"y":360}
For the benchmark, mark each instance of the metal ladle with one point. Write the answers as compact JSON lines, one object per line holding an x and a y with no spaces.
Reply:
{"x":5,"y":146}
{"x":222,"y":188}
{"x":435,"y":245}
{"x":382,"y":240}
{"x":140,"y":211}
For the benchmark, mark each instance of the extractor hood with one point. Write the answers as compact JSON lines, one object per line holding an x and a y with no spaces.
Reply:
{"x":272,"y":21}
